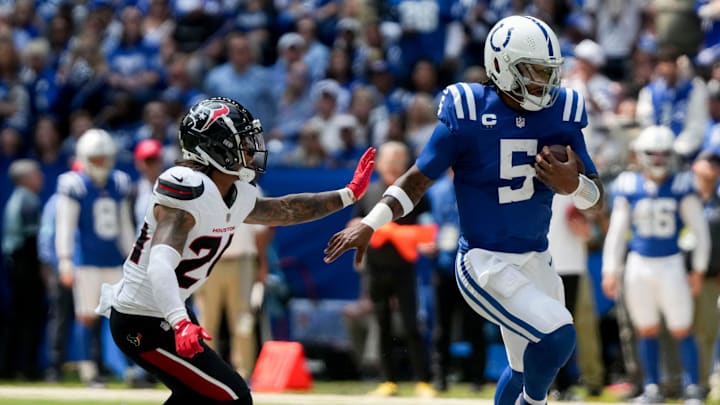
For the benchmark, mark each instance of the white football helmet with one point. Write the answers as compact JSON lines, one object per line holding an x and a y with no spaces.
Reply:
{"x":654,"y":150}
{"x":96,"y":151}
{"x":522,"y":51}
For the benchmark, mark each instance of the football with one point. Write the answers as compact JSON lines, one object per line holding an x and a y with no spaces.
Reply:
{"x":560,"y":154}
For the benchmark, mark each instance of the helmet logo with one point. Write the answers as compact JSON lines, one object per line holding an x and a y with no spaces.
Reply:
{"x":505,"y":42}
{"x":207,"y":116}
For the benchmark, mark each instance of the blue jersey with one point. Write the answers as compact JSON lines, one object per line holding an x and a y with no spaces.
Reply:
{"x":654,"y":211}
{"x":492,"y":148}
{"x":99,"y":221}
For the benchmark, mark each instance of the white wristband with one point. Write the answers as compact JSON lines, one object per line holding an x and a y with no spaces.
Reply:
{"x":586,"y":194}
{"x":380,"y":215}
{"x":402,"y":197}
{"x":347,"y":196}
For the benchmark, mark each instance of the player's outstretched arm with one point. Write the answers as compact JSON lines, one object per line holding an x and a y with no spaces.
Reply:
{"x":398,"y":200}
{"x":304,"y":207}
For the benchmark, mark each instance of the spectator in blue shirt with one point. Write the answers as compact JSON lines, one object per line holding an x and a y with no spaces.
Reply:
{"x":243,"y":80}
{"x":39,"y":76}
{"x":134,"y":67}
{"x":676,"y":101}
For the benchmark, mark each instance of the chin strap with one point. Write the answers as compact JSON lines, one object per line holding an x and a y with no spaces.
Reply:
{"x":246,"y":175}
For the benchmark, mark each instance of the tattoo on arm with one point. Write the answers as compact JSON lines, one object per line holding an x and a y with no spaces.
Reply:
{"x":415,"y":184}
{"x":294,"y":208}
{"x":173,"y":226}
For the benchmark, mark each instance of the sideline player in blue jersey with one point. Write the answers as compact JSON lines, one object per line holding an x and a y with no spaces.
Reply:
{"x":92,"y":203}
{"x":495,"y":137}
{"x":655,"y":205}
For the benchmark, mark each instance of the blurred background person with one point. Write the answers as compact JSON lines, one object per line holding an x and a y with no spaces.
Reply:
{"x":568,"y":236}
{"x":392,"y":280}
{"x":655,"y":204}
{"x":677,"y":100}
{"x":450,"y":306}
{"x":28,"y":304}
{"x":149,"y":164}
{"x":60,"y":296}
{"x":94,"y":204}
{"x":706,"y":321}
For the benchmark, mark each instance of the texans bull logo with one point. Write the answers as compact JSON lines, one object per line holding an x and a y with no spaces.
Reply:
{"x":134,"y":340}
{"x":205,"y":116}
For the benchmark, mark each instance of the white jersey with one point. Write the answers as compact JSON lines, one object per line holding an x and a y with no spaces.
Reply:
{"x":215,"y":223}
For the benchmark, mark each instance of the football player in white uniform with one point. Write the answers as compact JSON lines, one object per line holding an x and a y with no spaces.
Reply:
{"x":195,"y":208}
{"x":655,"y":205}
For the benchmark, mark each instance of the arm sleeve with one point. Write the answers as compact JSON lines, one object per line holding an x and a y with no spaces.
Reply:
{"x":614,"y":247}
{"x":691,"y":137}
{"x":691,"y":212}
{"x":161,"y":272}
{"x":66,"y":226}
{"x":644,"y":111}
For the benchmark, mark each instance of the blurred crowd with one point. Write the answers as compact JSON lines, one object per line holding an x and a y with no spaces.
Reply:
{"x":328,"y":78}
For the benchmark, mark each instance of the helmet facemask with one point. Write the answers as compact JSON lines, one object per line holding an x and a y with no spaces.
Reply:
{"x":544,"y":79}
{"x":96,"y":152}
{"x":658,"y":164}
{"x":655,"y":153}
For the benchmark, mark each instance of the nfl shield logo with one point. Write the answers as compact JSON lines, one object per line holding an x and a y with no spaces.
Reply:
{"x":520,"y":122}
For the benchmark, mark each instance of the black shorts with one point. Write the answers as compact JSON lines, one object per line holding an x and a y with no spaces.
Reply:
{"x":203,"y":379}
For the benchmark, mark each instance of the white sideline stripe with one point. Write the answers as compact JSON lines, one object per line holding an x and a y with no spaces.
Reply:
{"x":458,"y":102}
{"x":197,"y":371}
{"x":580,"y":108}
{"x":568,"y":104}
{"x":113,"y":395}
{"x":470,"y":100}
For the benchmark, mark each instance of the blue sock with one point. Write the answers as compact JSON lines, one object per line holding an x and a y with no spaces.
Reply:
{"x":543,"y":360}
{"x":509,"y":387}
{"x":689,"y":359}
{"x":648,"y":351}
{"x":83,"y":342}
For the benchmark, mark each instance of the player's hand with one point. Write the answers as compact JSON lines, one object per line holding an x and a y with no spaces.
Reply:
{"x":363,"y":171}
{"x":609,"y":285}
{"x":353,"y":237}
{"x":562,"y":177}
{"x":695,"y":279}
{"x":65,"y":270}
{"x":187,"y":338}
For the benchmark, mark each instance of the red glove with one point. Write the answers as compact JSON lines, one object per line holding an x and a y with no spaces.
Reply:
{"x":363,"y":171}
{"x":187,"y":338}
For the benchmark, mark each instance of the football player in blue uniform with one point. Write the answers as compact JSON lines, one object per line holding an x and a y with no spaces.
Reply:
{"x":92,"y":203}
{"x":496,"y":138}
{"x":655,"y":205}
{"x":191,"y":220}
